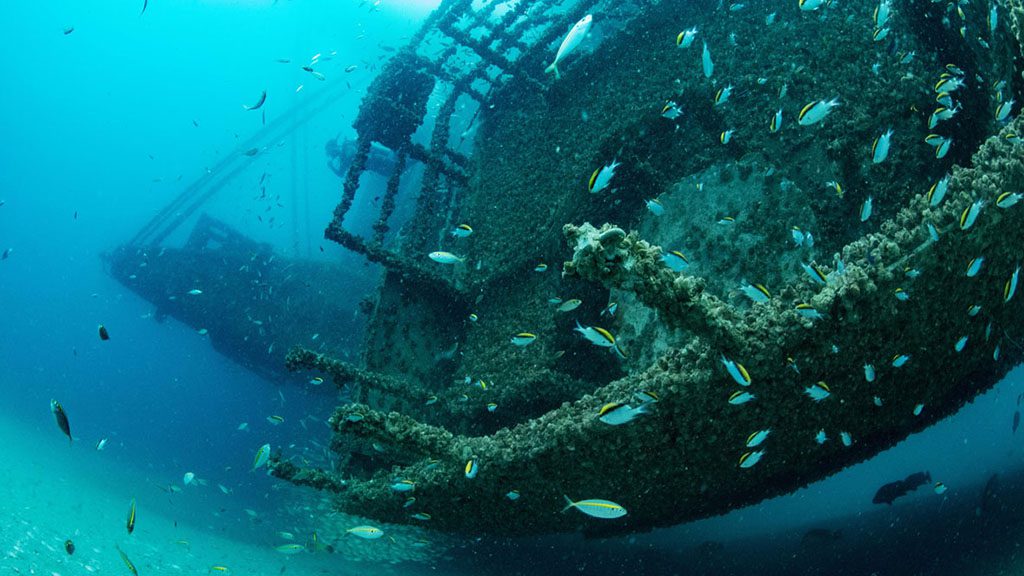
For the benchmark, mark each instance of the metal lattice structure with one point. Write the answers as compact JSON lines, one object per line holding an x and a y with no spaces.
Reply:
{"x":467,"y":49}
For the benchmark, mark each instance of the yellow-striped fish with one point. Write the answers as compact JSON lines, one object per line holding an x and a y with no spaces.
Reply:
{"x":131,"y":517}
{"x":604,"y":509}
{"x":127,"y":562}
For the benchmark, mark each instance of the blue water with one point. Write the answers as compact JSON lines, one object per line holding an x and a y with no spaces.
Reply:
{"x":100,"y":129}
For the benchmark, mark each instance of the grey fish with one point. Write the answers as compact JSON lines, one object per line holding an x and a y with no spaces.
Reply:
{"x":145,"y":4}
{"x":1016,"y":421}
{"x":258,"y":104}
{"x":62,"y":419}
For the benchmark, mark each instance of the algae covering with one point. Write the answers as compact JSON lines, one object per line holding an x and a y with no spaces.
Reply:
{"x":810,"y":253}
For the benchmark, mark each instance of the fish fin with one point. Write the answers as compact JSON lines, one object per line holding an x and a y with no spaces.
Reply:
{"x":569,"y":503}
{"x":553,"y":68}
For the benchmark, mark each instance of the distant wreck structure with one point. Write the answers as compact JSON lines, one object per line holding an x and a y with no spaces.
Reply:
{"x":808,"y":248}
{"x":253,"y":303}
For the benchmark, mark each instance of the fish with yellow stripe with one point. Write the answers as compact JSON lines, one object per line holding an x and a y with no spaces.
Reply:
{"x":602,"y":177}
{"x":127,"y":562}
{"x":596,"y":335}
{"x":816,"y":111}
{"x":615,"y":413}
{"x":604,"y":509}
{"x":130,"y":524}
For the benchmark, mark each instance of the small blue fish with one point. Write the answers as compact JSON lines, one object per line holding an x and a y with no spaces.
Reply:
{"x":1008,"y":199}
{"x":462,"y":231}
{"x":756,"y":292}
{"x":899,"y":360}
{"x":749,"y":459}
{"x":815,"y":273}
{"x":818,"y":391}
{"x":602,"y":177}
{"x":807,"y":311}
{"x":974,"y":266}
{"x":1010,"y":288}
{"x":405,"y":485}
{"x":869,"y":372}
{"x":615,"y":414}
{"x":775,"y":124}
{"x":524,"y":339}
{"x":757,"y":438}
{"x":740,"y":397}
{"x":880,"y":148}
{"x":685,"y":38}
{"x":938,"y":191}
{"x":676,"y":261}
{"x":970,"y":214}
{"x":262,"y":457}
{"x":655,"y":206}
{"x":960,"y":344}
{"x":798,"y":235}
{"x":736,"y":370}
{"x":815,"y":111}
{"x":865,"y":210}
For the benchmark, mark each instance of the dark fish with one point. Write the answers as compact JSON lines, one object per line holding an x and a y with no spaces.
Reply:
{"x":1016,"y":421}
{"x":104,"y":335}
{"x":252,"y":152}
{"x":195,"y":123}
{"x":62,"y":418}
{"x":145,"y":4}
{"x":76,"y":214}
{"x":258,"y":104}
{"x":917,"y":479}
{"x":131,"y":517}
{"x":6,"y":254}
{"x":69,"y":547}
{"x":989,"y":497}
{"x":67,"y":31}
{"x":893,"y":490}
{"x":818,"y":536}
{"x":264,"y":113}
{"x":127,"y":562}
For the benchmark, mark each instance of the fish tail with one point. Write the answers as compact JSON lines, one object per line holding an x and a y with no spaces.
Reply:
{"x":569,"y":503}
{"x":553,"y":68}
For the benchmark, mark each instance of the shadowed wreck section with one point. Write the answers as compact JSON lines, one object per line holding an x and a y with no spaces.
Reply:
{"x":680,"y":462}
{"x":485,"y":429}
